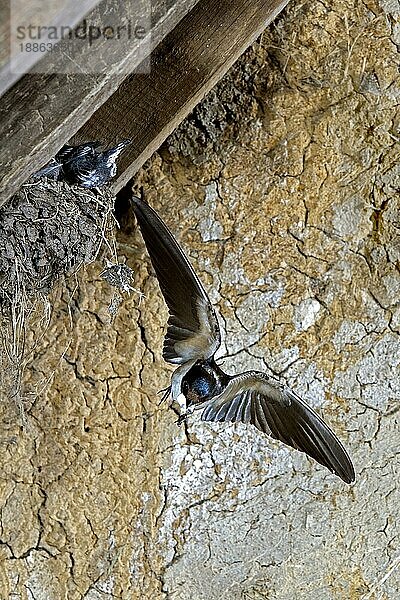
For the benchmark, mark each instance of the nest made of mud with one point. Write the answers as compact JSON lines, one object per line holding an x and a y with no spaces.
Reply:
{"x":49,"y":229}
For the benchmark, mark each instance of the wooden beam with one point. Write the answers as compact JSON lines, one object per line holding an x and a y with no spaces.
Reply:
{"x":184,"y":67}
{"x":15,"y":64}
{"x":41,"y":112}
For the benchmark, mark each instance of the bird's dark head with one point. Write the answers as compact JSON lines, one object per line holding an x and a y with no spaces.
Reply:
{"x":110,"y":156}
{"x":201,"y":383}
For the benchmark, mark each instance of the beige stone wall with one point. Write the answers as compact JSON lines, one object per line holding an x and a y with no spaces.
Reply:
{"x":283,"y":188}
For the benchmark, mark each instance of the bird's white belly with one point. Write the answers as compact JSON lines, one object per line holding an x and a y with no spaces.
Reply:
{"x":181,"y":400}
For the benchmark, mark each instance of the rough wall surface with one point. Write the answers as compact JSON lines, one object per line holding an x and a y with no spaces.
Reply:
{"x":283,"y":188}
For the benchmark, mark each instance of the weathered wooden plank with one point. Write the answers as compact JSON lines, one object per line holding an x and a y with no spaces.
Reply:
{"x":185,"y":66}
{"x":41,"y":112}
{"x":17,"y":13}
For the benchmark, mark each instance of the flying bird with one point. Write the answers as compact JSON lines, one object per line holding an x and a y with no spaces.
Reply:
{"x":191,"y":341}
{"x":83,"y":165}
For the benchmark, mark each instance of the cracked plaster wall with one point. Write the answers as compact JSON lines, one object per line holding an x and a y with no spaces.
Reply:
{"x":283,"y":187}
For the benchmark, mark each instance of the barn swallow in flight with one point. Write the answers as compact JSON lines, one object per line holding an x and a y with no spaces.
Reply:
{"x":192,"y":338}
{"x":83,"y":165}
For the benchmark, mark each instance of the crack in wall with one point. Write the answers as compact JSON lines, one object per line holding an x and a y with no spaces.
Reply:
{"x":294,"y":156}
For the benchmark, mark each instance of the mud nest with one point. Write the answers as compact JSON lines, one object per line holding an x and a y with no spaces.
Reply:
{"x":47,"y":230}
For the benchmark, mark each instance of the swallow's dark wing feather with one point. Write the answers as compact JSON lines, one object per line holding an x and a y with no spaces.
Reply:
{"x":72,"y":153}
{"x":193,"y":331}
{"x":64,"y":156}
{"x":255,"y":398}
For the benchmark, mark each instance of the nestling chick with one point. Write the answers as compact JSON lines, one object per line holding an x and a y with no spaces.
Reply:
{"x":83,"y":165}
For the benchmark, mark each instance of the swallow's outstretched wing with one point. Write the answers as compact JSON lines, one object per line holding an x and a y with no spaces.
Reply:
{"x":255,"y":398}
{"x":193,"y":331}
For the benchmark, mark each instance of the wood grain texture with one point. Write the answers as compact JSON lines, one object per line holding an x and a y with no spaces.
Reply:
{"x":184,"y":67}
{"x":41,"y":112}
{"x":23,"y":13}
